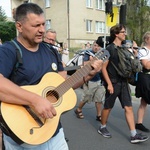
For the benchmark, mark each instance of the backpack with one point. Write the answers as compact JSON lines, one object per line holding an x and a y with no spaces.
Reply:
{"x":128,"y":66}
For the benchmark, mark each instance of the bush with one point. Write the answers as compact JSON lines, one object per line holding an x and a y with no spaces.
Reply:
{"x":7,"y":31}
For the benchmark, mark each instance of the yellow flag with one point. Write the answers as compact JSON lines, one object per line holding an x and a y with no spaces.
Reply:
{"x":112,"y":19}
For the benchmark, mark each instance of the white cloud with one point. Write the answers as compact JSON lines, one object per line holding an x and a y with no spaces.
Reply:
{"x":6,"y":7}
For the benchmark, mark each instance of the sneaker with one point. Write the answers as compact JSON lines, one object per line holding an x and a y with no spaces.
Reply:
{"x":104,"y":132}
{"x":141,"y":127}
{"x":138,"y":138}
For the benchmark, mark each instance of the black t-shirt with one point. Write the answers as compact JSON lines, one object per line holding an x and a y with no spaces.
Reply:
{"x":115,"y":59}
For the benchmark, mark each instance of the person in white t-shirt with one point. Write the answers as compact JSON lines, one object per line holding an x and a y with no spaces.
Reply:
{"x":142,"y":88}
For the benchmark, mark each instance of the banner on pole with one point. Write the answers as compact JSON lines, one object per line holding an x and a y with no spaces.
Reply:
{"x":112,"y":19}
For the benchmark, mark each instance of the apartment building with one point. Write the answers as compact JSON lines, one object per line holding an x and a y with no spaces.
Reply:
{"x":76,"y":21}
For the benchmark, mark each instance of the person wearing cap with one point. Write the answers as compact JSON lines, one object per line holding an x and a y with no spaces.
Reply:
{"x":93,"y":90}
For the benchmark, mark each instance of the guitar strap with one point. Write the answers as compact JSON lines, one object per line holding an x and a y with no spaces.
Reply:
{"x":18,"y":54}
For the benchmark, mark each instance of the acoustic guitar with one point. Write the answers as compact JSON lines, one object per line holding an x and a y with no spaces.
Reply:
{"x":24,"y":125}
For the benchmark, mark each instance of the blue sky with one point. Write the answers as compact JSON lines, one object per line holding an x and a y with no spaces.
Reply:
{"x":6,"y":7}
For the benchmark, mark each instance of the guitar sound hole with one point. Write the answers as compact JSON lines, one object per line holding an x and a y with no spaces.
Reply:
{"x":52,"y":96}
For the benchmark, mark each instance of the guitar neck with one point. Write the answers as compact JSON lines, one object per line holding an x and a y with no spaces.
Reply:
{"x":72,"y":80}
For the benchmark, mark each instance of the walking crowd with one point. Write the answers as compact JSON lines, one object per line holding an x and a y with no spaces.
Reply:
{"x":103,"y":85}
{"x":118,"y":87}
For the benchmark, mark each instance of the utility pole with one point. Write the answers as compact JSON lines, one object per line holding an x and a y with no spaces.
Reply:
{"x":108,"y":10}
{"x":68,"y":14}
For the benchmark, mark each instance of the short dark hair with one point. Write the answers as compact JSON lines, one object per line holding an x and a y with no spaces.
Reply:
{"x":116,"y":30}
{"x":26,"y":8}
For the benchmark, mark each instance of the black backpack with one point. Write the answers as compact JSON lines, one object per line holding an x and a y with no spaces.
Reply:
{"x":128,"y":65}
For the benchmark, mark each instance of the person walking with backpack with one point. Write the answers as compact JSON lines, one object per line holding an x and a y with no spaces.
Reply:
{"x":143,"y":83}
{"x":117,"y":86}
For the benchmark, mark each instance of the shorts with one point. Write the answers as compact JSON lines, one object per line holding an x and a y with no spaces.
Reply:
{"x":122,"y":91}
{"x":93,"y":92}
{"x":143,"y":87}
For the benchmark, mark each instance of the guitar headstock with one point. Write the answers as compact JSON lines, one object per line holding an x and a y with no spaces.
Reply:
{"x":103,"y":54}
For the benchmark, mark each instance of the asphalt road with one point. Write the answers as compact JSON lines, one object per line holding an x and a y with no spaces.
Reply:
{"x":82,"y":133}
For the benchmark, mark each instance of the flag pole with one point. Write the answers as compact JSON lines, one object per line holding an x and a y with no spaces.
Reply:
{"x":105,"y":32}
{"x":108,"y":10}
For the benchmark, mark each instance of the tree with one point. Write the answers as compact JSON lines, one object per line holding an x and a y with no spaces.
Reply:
{"x":3,"y":16}
{"x":138,"y":19}
{"x":7,"y":28}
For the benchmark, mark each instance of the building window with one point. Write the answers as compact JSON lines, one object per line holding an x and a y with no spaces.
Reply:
{"x":100,"y":27}
{"x":100,"y":4}
{"x":89,"y":25}
{"x":47,"y":3}
{"x":48,"y":24}
{"x":89,"y":3}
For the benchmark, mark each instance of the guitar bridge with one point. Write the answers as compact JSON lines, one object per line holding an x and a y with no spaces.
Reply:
{"x":35,"y":117}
